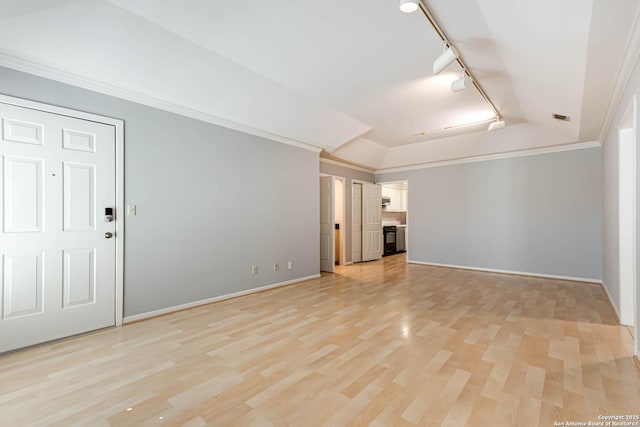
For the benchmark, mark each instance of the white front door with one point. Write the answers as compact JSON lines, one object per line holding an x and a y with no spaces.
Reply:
{"x":371,"y":221}
{"x":58,"y":263}
{"x":327,"y":224}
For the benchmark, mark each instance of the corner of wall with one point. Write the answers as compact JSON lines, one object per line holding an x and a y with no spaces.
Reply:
{"x":611,"y":301}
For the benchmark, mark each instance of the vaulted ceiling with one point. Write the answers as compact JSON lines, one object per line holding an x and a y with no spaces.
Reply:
{"x":352,"y":77}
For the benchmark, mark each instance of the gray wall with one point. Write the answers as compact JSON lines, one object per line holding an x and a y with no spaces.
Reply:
{"x":611,"y":239}
{"x":349,"y":175}
{"x":537,"y":214}
{"x":211,"y":202}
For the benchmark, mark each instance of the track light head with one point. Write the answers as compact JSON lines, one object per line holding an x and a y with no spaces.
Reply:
{"x":498,"y":124}
{"x":409,"y":6}
{"x":461,"y":84}
{"x":446,"y":58}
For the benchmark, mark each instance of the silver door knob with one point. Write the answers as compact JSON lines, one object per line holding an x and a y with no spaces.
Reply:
{"x":108,"y":235}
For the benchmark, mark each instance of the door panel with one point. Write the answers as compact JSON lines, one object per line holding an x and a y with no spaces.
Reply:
{"x":79,"y":141}
{"x":327,"y":224}
{"x":79,"y":277}
{"x":22,"y":285}
{"x":79,"y":197}
{"x":58,"y":275}
{"x":23,"y":196}
{"x":356,"y":215}
{"x":20,"y":131}
{"x":372,"y":222}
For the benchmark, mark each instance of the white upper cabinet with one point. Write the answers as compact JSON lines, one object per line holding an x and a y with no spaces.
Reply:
{"x":398,"y":199}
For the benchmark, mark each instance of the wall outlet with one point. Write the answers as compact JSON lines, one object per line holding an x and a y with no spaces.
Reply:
{"x":290,"y":265}
{"x":276,"y":267}
{"x":254,"y":269}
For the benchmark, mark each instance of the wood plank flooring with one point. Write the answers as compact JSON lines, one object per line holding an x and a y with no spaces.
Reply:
{"x":380,"y":344}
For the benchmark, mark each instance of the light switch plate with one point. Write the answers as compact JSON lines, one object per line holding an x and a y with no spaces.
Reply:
{"x":131,"y":210}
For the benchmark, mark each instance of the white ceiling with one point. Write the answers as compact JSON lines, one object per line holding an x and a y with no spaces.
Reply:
{"x":353,"y":77}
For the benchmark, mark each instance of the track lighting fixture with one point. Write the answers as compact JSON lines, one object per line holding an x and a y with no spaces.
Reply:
{"x":498,"y":124}
{"x":409,"y":6}
{"x":462,"y":83}
{"x":449,"y":55}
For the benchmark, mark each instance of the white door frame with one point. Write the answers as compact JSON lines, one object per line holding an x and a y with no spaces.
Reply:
{"x":626,"y":225}
{"x":627,"y":216}
{"x":327,"y":263}
{"x":343,"y":221}
{"x":120,"y":211}
{"x":636,"y":223}
{"x":355,"y":214}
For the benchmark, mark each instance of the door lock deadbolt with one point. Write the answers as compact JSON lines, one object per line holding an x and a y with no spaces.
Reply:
{"x":108,"y":214}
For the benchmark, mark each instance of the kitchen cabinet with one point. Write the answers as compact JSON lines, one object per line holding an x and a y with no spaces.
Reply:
{"x":395,"y":200}
{"x":398,"y":199}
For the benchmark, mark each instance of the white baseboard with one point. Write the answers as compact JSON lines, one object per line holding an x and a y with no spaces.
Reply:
{"x":519,"y":273}
{"x":615,"y":307}
{"x":348,"y":263}
{"x":154,"y":313}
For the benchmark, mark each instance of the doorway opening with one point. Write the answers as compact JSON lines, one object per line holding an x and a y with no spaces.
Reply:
{"x":627,"y":232}
{"x":332,"y":222}
{"x":366,"y":221}
{"x":340,"y":227}
{"x":395,"y":203}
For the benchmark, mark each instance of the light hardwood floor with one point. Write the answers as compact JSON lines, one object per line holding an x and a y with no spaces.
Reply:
{"x":380,"y":343}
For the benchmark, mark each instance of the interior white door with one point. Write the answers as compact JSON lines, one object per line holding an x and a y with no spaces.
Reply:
{"x":58,"y":265}
{"x":327,"y":224}
{"x":356,"y":222}
{"x":371,"y":222}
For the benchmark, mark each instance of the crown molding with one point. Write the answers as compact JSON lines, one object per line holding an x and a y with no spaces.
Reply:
{"x":346,"y":165}
{"x":507,"y":155}
{"x":629,"y":60}
{"x":140,"y":97}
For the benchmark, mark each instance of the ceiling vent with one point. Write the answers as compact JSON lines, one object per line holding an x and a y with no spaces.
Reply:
{"x":561,"y":117}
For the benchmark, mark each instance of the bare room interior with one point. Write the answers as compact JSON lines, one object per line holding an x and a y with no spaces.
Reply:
{"x":295,"y":213}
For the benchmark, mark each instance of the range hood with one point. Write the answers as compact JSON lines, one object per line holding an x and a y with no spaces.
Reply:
{"x":386,"y":200}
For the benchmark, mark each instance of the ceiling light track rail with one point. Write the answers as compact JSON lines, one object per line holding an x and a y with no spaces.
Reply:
{"x":445,"y":39}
